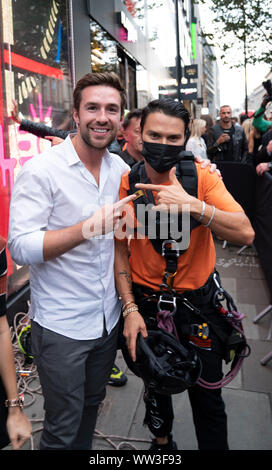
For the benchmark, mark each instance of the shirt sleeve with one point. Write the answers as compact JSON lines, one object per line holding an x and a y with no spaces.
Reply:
{"x":30,"y":208}
{"x":214,"y":192}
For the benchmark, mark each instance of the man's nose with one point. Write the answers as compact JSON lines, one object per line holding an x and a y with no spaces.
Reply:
{"x":102,"y":115}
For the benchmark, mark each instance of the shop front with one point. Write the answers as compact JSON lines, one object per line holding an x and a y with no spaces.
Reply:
{"x":45,"y":47}
{"x":36,"y":72}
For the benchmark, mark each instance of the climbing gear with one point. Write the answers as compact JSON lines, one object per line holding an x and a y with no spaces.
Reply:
{"x":186,"y":173}
{"x":164,"y":364}
{"x":117,"y":377}
{"x":24,"y":342}
{"x":235,"y":343}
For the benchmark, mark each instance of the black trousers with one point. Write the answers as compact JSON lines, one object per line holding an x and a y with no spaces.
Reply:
{"x":208,"y":408}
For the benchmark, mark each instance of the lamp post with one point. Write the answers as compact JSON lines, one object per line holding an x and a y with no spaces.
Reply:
{"x":178,"y":58}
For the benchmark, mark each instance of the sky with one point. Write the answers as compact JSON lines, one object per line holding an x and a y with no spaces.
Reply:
{"x":232,"y":80}
{"x":232,"y":83}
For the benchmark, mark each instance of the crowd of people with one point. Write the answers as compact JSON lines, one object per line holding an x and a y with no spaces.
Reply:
{"x":92,"y":293}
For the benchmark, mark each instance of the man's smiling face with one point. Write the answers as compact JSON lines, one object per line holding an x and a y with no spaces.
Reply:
{"x":99,"y":115}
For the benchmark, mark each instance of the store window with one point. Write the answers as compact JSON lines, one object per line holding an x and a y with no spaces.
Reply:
{"x":108,"y":56}
{"x":36,"y":72}
{"x":104,"y":56}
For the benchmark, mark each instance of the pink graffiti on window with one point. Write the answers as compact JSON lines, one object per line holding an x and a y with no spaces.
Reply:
{"x":27,"y":143}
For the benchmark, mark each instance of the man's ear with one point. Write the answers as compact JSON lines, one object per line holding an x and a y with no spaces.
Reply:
{"x":75,"y":116}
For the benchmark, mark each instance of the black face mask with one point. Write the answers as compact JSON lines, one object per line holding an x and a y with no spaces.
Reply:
{"x":162,"y":157}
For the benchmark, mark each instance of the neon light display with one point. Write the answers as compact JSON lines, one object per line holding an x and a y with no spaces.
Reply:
{"x":36,"y":73}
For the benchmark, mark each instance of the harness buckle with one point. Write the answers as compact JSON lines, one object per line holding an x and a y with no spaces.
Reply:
{"x":172,"y":301}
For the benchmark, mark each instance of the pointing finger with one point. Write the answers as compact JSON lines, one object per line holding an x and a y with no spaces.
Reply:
{"x":152,"y":187}
{"x":124,"y":201}
{"x":172,"y":175}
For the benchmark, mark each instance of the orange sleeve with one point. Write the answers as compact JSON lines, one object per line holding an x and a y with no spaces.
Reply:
{"x":213,"y":191}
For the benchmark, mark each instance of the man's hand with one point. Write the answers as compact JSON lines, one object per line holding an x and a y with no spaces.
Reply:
{"x":206,"y":162}
{"x":269,"y":146}
{"x":54,"y":140}
{"x":18,"y":427}
{"x":262,"y":168}
{"x":134,"y":324}
{"x":172,"y":194}
{"x":106,"y":219}
{"x":223,"y":138}
{"x":14,"y":113}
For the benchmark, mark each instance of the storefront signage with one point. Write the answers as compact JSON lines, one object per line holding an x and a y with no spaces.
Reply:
{"x":191,"y":71}
{"x":189,"y":91}
{"x":127,"y":32}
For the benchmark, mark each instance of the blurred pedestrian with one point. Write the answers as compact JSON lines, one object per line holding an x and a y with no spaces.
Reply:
{"x":14,"y":424}
{"x":132,"y":152}
{"x":229,"y":142}
{"x":196,"y":144}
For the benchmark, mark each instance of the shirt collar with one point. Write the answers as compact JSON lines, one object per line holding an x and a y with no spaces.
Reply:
{"x":72,"y":157}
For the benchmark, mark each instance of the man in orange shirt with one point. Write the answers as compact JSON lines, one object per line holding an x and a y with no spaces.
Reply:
{"x":140,"y":270}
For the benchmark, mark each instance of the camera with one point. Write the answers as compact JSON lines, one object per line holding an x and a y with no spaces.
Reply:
{"x":268,"y":88}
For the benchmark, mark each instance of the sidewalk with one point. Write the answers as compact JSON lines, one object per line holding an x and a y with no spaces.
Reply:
{"x":248,"y":398}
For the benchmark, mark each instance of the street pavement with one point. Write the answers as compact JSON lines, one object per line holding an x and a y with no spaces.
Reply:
{"x":248,"y":397}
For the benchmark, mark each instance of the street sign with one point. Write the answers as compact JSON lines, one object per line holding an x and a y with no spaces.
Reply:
{"x":191,"y":71}
{"x":189,"y":91}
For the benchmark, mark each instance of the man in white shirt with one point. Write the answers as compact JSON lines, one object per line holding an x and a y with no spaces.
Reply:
{"x":62,"y":215}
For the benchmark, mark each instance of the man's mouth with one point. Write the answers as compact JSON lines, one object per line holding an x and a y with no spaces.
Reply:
{"x":99,"y":130}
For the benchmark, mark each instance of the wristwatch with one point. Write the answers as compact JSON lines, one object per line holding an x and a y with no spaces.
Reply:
{"x":13,"y":403}
{"x":269,"y":164}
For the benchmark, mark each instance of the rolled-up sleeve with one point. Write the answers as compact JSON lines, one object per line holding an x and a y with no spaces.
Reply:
{"x":30,"y":208}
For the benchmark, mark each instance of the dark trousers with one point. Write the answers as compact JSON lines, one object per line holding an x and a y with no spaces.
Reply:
{"x":73,"y":376}
{"x":210,"y":419}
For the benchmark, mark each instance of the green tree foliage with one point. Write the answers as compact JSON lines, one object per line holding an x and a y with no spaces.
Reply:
{"x":241,"y":29}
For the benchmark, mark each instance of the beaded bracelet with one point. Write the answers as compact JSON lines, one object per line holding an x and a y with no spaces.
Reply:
{"x":209,"y":223}
{"x":129,"y":310}
{"x":127,"y":303}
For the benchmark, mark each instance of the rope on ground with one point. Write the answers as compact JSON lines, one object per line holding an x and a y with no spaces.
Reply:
{"x":29,"y":385}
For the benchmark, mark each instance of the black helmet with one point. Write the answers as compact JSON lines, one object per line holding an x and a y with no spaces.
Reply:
{"x":24,"y":341}
{"x":163,"y":363}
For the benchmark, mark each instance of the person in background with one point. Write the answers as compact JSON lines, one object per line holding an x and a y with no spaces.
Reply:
{"x":262,"y":119}
{"x":132,"y":135}
{"x":209,"y":124}
{"x":228,"y":142}
{"x":264,"y":159}
{"x":14,"y":424}
{"x":253,"y":137}
{"x":196,"y":144}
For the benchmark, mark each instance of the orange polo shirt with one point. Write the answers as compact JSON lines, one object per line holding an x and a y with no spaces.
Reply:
{"x":197,"y":263}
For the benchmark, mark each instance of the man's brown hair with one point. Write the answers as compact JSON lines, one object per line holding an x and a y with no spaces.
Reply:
{"x":98,"y":79}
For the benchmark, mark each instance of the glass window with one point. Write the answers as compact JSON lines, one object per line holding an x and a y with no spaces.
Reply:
{"x":104,"y":56}
{"x":36,"y":72}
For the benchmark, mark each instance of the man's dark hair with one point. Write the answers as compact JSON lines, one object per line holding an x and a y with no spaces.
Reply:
{"x":135,"y":113}
{"x":166,"y":106}
{"x":109,"y":79}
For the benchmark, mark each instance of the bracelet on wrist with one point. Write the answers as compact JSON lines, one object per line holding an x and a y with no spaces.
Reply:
{"x":18,"y":402}
{"x":212,"y":216}
{"x":130,"y":302}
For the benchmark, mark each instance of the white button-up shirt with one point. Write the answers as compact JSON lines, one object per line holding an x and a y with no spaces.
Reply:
{"x":73,"y":294}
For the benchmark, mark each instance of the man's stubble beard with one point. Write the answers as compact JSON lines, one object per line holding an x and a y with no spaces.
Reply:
{"x":86,"y":138}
